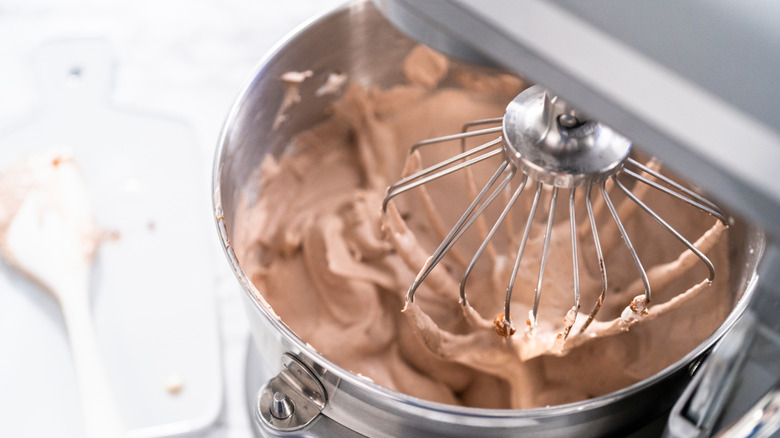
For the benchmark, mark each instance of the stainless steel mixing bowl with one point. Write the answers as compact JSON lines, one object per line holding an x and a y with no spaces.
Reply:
{"x":330,"y":401}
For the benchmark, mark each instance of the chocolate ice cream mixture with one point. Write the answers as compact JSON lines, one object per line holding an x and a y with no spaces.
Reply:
{"x":336,"y":269}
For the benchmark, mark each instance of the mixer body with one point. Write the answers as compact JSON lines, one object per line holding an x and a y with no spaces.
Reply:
{"x":337,"y":402}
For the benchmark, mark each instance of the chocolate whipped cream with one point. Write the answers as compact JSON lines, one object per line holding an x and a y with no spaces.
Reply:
{"x":336,"y":270}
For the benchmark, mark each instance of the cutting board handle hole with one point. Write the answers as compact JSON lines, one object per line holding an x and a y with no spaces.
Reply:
{"x":75,"y":75}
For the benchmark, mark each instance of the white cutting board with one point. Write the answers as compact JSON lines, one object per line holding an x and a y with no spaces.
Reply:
{"x":153,"y":288}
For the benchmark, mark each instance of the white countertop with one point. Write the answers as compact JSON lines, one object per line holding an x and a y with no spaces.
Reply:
{"x":185,"y":59}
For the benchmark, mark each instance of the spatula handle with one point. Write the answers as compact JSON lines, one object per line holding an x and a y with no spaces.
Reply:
{"x":101,"y":415}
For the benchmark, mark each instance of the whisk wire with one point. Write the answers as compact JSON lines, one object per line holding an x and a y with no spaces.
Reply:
{"x":446,"y":138}
{"x":454,"y":233}
{"x":473,"y":123}
{"x":627,"y":241}
{"x":600,"y":256}
{"x":703,"y":205}
{"x":435,"y":172}
{"x":545,"y":253}
{"x":575,"y":265}
{"x":469,"y":174}
{"x":489,"y":237}
{"x":669,"y":228}
{"x":468,"y":125}
{"x":484,"y":205}
{"x":519,"y":257}
{"x":673,"y":183}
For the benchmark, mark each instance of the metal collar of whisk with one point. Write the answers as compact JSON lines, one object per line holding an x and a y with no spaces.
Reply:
{"x":559,"y":145}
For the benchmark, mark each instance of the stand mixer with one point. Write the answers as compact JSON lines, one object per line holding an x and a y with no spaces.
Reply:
{"x":304,"y":394}
{"x":662,"y":75}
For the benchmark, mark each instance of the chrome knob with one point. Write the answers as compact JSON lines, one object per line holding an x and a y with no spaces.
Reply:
{"x":282,"y":407}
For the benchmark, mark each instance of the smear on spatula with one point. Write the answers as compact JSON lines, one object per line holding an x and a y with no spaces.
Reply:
{"x":44,"y":204}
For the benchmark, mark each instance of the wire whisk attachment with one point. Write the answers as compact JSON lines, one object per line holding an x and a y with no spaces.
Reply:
{"x":547,"y":147}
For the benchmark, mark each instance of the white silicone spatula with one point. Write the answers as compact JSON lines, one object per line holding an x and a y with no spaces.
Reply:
{"x":49,"y":233}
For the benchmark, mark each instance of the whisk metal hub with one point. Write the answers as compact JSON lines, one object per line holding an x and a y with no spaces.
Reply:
{"x":558,"y":145}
